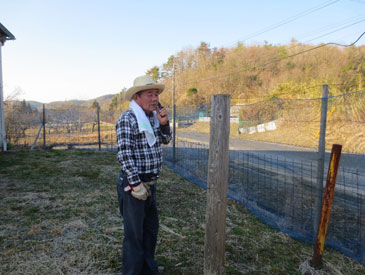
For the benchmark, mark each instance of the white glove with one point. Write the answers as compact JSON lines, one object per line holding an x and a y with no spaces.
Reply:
{"x":139,"y":192}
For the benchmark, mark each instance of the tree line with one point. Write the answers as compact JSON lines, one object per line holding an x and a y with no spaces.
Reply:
{"x":260,"y":72}
{"x":248,"y":73}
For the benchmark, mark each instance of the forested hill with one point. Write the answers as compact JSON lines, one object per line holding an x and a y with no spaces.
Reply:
{"x":104,"y":102}
{"x":258,"y":72}
{"x":250,"y":74}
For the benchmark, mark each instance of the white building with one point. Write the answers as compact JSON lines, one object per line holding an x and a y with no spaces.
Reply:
{"x":4,"y":35}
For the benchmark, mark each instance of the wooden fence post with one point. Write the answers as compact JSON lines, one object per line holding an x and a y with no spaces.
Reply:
{"x":217,"y":186}
{"x":36,"y":137}
{"x":327,"y":204}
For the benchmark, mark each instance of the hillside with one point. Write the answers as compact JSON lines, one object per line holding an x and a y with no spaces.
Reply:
{"x":259,"y":72}
{"x":104,"y":102}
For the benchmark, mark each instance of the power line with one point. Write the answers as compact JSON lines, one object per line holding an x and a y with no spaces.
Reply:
{"x":308,"y":88}
{"x":320,"y":85}
{"x":293,"y":47}
{"x":331,"y":26}
{"x":280,"y":59}
{"x":342,"y":45}
{"x":290,"y":19}
{"x":308,"y":99}
{"x":362,"y":20}
{"x":321,"y":6}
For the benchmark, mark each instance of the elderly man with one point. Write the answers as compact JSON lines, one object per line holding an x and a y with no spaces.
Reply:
{"x":140,"y":132}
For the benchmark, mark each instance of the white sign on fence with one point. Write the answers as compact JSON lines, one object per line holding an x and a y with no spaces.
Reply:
{"x":251,"y":130}
{"x":207,"y":119}
{"x":261,"y":128}
{"x":269,"y":126}
{"x":204,"y":119}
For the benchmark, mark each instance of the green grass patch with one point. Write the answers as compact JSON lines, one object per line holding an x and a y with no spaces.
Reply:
{"x":31,"y":212}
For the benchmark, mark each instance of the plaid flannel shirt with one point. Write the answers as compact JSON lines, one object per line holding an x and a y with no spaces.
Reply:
{"x":134,"y":154}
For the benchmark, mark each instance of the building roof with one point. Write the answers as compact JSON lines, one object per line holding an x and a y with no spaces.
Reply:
{"x":5,"y":34}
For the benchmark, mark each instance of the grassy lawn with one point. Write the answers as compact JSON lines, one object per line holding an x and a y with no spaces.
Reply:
{"x":59,"y":215}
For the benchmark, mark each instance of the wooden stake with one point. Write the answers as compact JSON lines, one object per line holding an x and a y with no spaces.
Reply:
{"x":217,"y":186}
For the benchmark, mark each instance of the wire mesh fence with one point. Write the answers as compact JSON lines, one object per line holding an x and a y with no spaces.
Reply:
{"x":297,"y":121}
{"x":282,"y":193}
{"x":279,"y":187}
{"x":64,"y":128}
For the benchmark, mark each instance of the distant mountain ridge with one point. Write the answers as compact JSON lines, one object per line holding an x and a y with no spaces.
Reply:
{"x":104,"y":102}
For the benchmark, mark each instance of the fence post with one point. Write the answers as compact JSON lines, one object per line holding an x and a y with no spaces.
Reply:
{"x":321,"y":156}
{"x":217,"y":186}
{"x":327,"y":204}
{"x":98,"y":114}
{"x":36,"y":137}
{"x":174,"y":135}
{"x":173,"y":117}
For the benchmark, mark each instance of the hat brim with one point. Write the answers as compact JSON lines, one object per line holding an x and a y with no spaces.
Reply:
{"x":131,"y":91}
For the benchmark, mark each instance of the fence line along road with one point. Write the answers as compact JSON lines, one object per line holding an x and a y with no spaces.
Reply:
{"x":289,"y":152}
{"x":282,"y":191}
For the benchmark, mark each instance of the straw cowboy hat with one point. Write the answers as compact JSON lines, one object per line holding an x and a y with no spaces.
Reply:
{"x":141,"y":83}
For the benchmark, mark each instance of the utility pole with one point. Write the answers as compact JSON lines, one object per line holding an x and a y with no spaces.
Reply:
{"x":173,"y":116}
{"x":4,"y":35}
{"x":320,"y":161}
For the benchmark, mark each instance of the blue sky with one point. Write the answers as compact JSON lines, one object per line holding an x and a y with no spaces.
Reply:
{"x":82,"y":49}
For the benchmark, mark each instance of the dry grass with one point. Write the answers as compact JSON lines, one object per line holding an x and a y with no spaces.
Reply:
{"x":60,"y":216}
{"x":107,"y":135}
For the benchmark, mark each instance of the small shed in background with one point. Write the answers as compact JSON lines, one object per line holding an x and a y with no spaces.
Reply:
{"x":5,"y":35}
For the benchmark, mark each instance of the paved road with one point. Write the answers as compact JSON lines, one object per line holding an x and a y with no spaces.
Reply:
{"x":288,"y":152}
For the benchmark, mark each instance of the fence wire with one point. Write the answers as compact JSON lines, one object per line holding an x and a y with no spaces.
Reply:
{"x":297,"y":121}
{"x":282,"y":193}
{"x":65,"y":128}
{"x":279,"y":188}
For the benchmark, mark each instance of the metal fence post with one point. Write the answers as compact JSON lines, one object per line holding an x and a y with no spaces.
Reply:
{"x":98,"y":114}
{"x":44,"y":126}
{"x":215,"y":227}
{"x":174,"y":135}
{"x":173,"y":116}
{"x":327,"y":204}
{"x":321,"y":156}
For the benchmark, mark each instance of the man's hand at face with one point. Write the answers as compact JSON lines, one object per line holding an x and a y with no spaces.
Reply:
{"x":162,"y":115}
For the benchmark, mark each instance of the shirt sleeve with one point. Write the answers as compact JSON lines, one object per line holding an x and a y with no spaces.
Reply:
{"x":126,"y":145}
{"x":166,"y":133}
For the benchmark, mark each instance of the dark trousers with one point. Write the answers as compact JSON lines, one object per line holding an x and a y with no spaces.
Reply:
{"x":140,"y":221}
